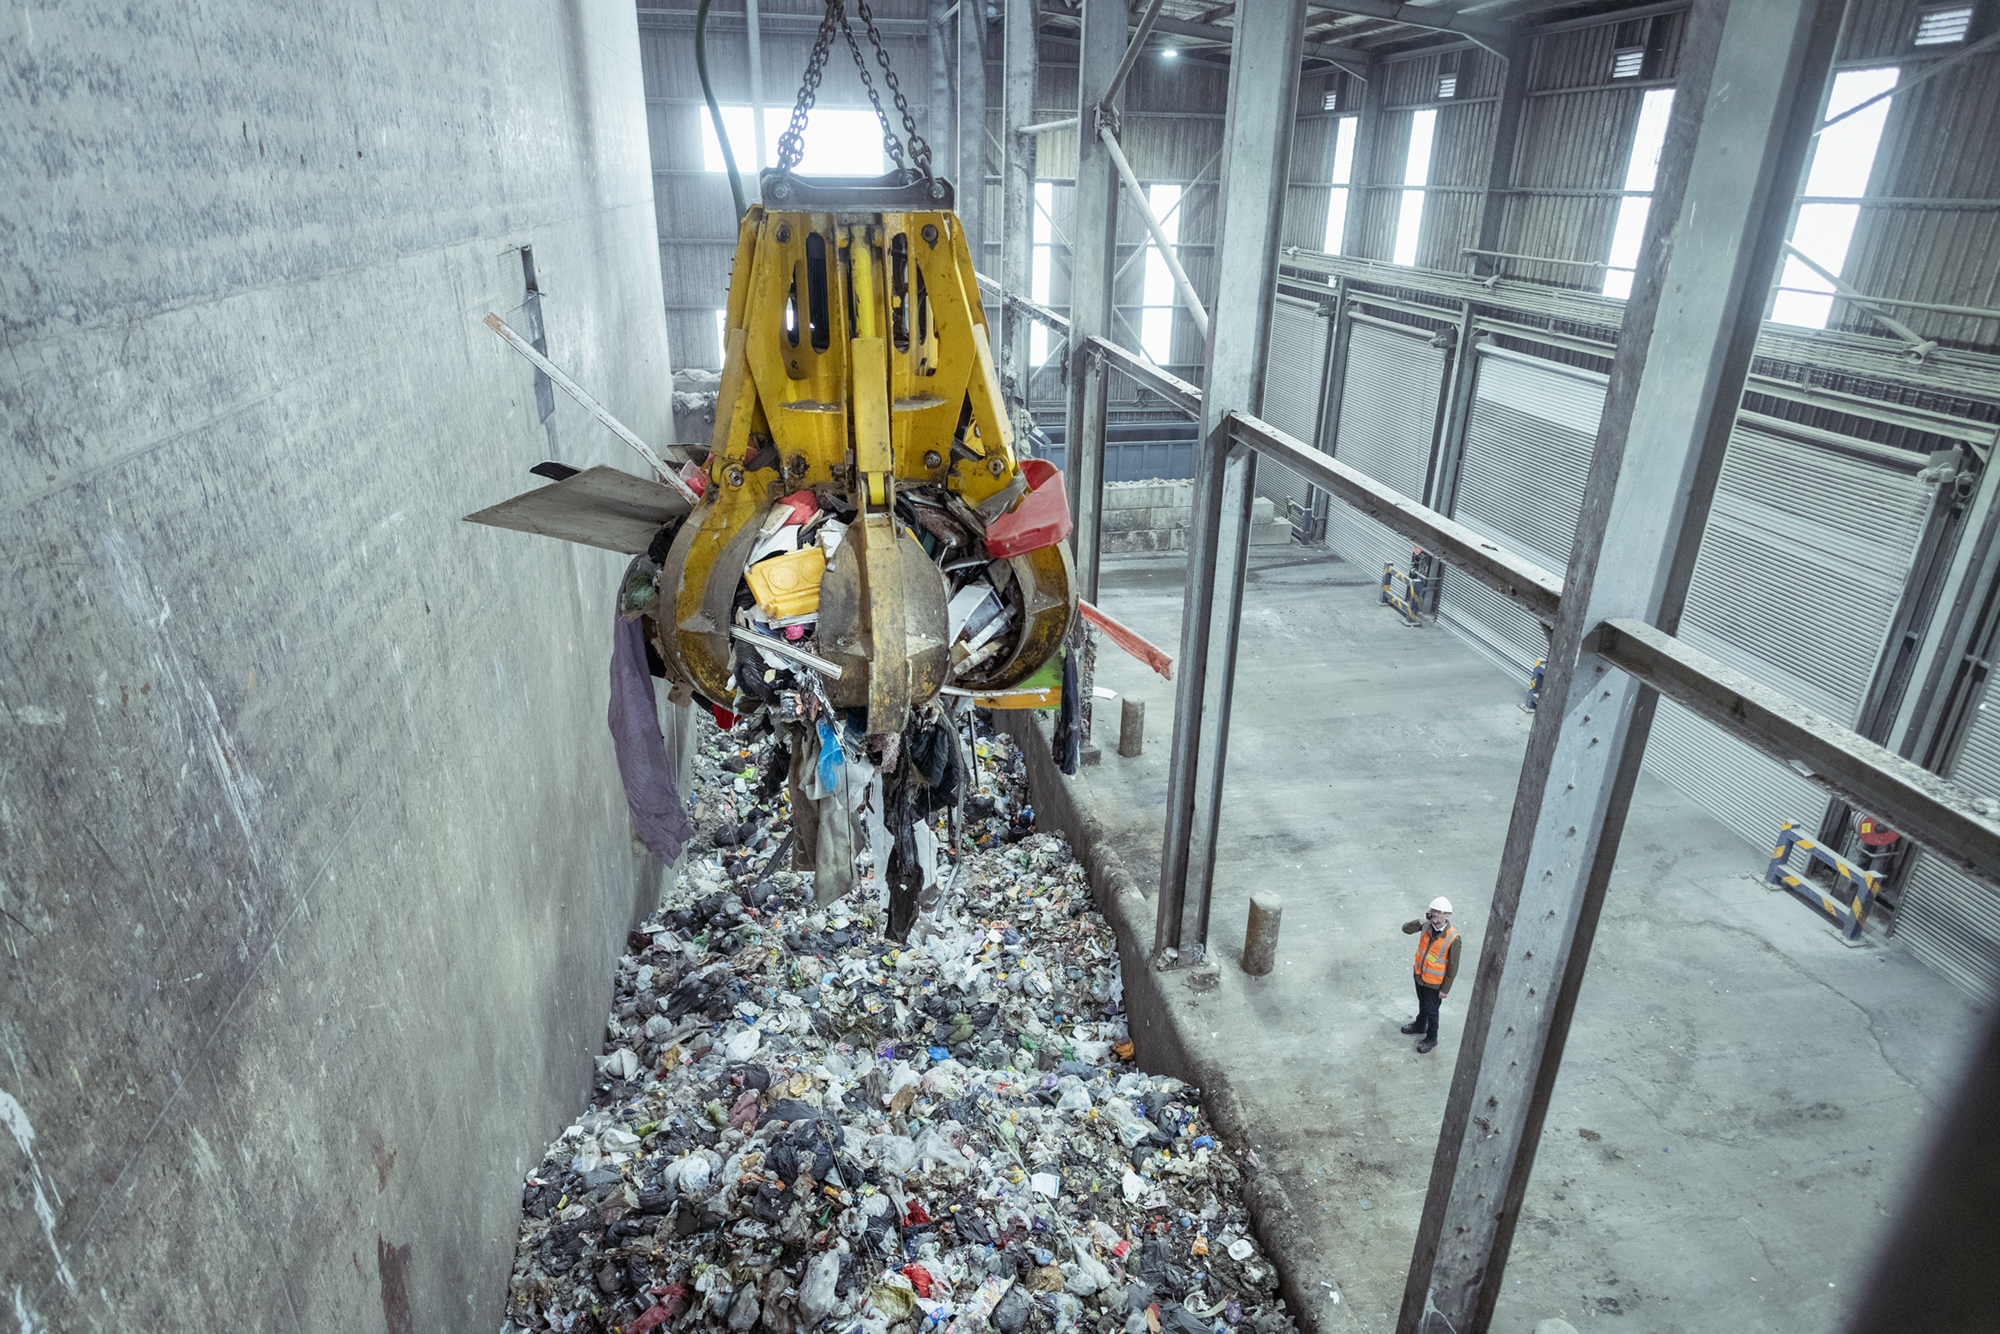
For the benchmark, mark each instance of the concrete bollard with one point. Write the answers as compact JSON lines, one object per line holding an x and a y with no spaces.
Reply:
{"x":1131,"y":727}
{"x":1260,"y":939}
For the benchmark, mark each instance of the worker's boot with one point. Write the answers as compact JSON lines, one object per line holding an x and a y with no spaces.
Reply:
{"x":1414,"y":1026}
{"x":1427,"y":1045}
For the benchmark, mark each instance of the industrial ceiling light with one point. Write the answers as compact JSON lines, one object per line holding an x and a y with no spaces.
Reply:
{"x":1169,"y":54}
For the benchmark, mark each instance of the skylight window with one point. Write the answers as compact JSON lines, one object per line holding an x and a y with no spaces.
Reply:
{"x":1641,"y":169}
{"x":1944,"y":26}
{"x":839,"y":141}
{"x":1843,"y":158}
{"x":1343,"y":176}
{"x":1156,"y":323}
{"x":1416,"y":175}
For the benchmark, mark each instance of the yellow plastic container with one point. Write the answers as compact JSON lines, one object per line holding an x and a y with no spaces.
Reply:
{"x":788,"y":585}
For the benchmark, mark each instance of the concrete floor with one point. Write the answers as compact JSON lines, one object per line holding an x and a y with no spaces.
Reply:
{"x":1743,"y":1093}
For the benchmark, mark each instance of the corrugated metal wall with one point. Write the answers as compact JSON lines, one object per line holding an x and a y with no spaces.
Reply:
{"x":1928,"y":229}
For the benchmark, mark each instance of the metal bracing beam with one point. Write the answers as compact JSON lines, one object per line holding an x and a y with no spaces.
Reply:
{"x":1937,"y":814}
{"x":1165,"y":247}
{"x":1352,"y":59}
{"x":1177,"y":392}
{"x":1531,"y":588}
{"x":1919,"y":345}
{"x":1141,"y":30}
{"x":1489,"y":34}
{"x":1066,"y":123}
{"x":1093,"y":249}
{"x":1339,"y":55}
{"x":1751,"y":80}
{"x":1140,"y":253}
{"x":1981,"y":47}
{"x":1263,"y":98}
{"x":1017,"y":185}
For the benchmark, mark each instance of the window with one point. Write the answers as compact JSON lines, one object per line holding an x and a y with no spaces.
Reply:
{"x":839,"y":141}
{"x":1156,"y":323}
{"x":1343,"y":176}
{"x":1416,"y":175}
{"x":1843,"y":158}
{"x":1648,"y":136}
{"x":1447,"y":75}
{"x":1943,"y":26}
{"x":1629,"y":63}
{"x":1329,"y":100}
{"x":1038,"y":271}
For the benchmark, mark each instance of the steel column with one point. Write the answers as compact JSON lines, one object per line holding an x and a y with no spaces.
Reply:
{"x":1087,"y":505}
{"x":1507,"y":121}
{"x":1263,"y":101}
{"x":944,"y":105}
{"x":1092,"y":251}
{"x":1365,"y":173}
{"x":1017,"y":188}
{"x":1734,"y":158}
{"x":754,"y":25}
{"x":971,"y":126}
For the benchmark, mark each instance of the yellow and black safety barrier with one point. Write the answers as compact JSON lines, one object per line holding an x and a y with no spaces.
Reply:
{"x":1860,"y":886}
{"x":1410,"y":600}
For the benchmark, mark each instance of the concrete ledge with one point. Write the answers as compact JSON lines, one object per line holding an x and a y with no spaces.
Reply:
{"x":1154,"y":1005}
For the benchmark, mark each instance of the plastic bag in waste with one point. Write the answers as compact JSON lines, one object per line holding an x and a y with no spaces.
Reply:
{"x":816,"y":1289}
{"x":897,"y":1154}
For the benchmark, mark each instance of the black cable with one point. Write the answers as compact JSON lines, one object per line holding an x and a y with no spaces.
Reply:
{"x":714,"y":111}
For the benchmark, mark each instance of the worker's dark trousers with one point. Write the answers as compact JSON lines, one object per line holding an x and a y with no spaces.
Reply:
{"x":1427,"y":1010}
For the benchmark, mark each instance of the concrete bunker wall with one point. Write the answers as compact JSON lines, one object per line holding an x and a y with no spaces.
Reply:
{"x":313,"y":860}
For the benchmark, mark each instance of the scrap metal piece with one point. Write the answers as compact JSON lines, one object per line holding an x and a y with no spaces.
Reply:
{"x":598,"y":507}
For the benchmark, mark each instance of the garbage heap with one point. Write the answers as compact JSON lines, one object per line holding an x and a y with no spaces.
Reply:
{"x":798,"y":1125}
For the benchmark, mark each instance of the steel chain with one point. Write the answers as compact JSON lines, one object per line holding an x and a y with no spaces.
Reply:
{"x":920,"y":151}
{"x":791,"y":144}
{"x":890,"y":144}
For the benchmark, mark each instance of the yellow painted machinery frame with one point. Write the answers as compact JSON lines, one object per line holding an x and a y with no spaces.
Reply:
{"x":857,"y":361}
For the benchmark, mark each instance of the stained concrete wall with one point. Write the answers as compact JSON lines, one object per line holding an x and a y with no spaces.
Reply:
{"x":312,"y":858}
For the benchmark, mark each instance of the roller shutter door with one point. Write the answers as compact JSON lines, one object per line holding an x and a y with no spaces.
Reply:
{"x":1388,"y":419}
{"x":1946,"y":917}
{"x":1801,"y":572}
{"x":1293,"y":378}
{"x":1528,"y":440}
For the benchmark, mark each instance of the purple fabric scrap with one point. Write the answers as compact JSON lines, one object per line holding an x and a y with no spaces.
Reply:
{"x":659,"y":814}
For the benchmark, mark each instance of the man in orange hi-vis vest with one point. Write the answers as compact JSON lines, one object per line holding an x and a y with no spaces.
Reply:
{"x":1435,"y":966}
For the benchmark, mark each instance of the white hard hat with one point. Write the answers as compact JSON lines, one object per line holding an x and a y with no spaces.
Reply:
{"x":1441,"y":904}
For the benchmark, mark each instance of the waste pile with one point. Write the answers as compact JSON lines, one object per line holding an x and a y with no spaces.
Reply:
{"x":801,"y":1125}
